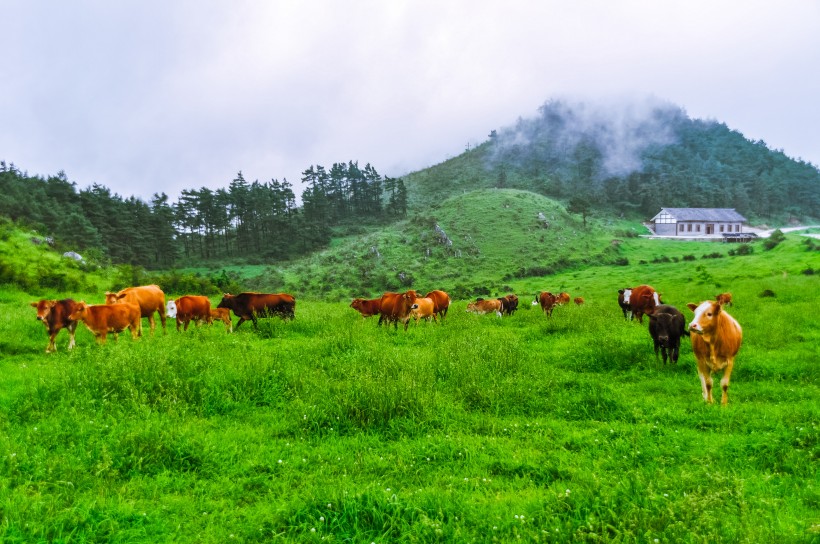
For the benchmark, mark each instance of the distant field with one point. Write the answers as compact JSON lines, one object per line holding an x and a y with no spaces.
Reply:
{"x":330,"y":429}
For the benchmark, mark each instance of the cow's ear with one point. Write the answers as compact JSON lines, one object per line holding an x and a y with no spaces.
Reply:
{"x":620,"y":291}
{"x":692,"y":306}
{"x":33,"y":304}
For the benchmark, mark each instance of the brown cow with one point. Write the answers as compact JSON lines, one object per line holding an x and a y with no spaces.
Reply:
{"x":396,"y":307}
{"x":547,"y":301}
{"x":367,"y":307}
{"x":562,"y":298}
{"x":643,"y":300}
{"x":224,"y":315}
{"x":716,"y":340}
{"x":149,"y":298}
{"x":425,"y":309}
{"x":482,"y":306}
{"x":249,"y":306}
{"x":578,"y":300}
{"x":441,"y":301}
{"x":509,"y":304}
{"x":55,"y":316}
{"x":104,"y":318}
{"x":189,"y":308}
{"x":724,"y":299}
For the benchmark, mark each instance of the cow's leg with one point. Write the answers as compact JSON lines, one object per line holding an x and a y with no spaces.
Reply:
{"x":241,"y":320}
{"x":152,"y":323}
{"x":72,"y":329}
{"x":52,"y":345}
{"x":706,"y":384}
{"x":185,"y":327}
{"x":724,"y":383}
{"x":162,"y":318}
{"x":177,"y":320}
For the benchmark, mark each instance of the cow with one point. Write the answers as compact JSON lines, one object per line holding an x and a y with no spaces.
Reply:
{"x":367,"y":307}
{"x":425,"y":309}
{"x":509,"y":304}
{"x":578,"y":300}
{"x":642,"y":301}
{"x":55,"y":316}
{"x":562,"y":298}
{"x":441,"y":301}
{"x":623,"y":302}
{"x":482,"y":306}
{"x":724,"y":299}
{"x":104,"y":318}
{"x":249,"y":306}
{"x":397,"y":307}
{"x":666,"y":326}
{"x":222,"y":314}
{"x":149,"y":298}
{"x":547,"y":301}
{"x":716,"y":337}
{"x":189,"y":308}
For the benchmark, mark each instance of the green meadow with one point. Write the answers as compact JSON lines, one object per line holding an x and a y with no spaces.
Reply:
{"x":329,"y":428}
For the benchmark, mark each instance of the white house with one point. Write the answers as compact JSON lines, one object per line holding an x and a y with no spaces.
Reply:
{"x":691,"y":222}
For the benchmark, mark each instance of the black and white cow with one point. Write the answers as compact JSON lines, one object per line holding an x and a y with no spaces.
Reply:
{"x":623,"y":301}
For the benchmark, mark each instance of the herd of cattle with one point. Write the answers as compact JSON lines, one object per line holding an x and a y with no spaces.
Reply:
{"x":715,"y":335}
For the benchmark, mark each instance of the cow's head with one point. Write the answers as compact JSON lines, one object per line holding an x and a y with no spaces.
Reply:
{"x":705,"y":316}
{"x":627,"y":294}
{"x":409,"y":298}
{"x":227,"y":301}
{"x":79,"y":311}
{"x":171,"y":309}
{"x":43,"y":309}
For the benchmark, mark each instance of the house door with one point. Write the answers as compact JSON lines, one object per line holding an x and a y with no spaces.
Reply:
{"x":710,"y":228}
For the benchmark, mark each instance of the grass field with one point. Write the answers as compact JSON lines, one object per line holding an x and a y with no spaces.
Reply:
{"x":330,"y":429}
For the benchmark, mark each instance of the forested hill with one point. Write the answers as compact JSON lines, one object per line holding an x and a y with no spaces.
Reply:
{"x":631,"y":159}
{"x":627,"y":160}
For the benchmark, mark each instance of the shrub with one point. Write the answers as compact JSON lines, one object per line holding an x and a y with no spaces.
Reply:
{"x":773,"y":240}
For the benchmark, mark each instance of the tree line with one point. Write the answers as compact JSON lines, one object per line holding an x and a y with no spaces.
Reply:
{"x":247,"y":221}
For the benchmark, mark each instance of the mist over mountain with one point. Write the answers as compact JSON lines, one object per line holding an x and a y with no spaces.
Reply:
{"x":630,"y":156}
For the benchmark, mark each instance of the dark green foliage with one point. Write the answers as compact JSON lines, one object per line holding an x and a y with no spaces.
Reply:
{"x":772,"y":241}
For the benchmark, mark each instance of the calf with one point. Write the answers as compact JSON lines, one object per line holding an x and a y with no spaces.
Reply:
{"x":724,"y":299}
{"x":578,"y":300}
{"x":222,"y":314}
{"x":482,"y":306}
{"x":562,"y":298}
{"x":716,"y":339}
{"x":667,"y":325}
{"x":547,"y":301}
{"x":104,"y":318}
{"x":55,"y":316}
{"x":623,"y":302}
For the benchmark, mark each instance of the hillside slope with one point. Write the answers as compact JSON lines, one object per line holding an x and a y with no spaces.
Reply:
{"x":470,"y":244}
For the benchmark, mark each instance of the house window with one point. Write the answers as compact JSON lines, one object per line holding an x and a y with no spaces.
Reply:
{"x":721,"y":228}
{"x":680,"y":228}
{"x":737,"y":228}
{"x":689,"y":227}
{"x":698,"y":227}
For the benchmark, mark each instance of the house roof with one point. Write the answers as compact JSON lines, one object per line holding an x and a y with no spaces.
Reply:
{"x":704,"y":214}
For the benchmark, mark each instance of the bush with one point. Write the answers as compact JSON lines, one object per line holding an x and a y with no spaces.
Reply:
{"x":773,"y":240}
{"x":744,"y":249}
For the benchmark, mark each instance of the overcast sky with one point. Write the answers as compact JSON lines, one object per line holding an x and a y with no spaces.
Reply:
{"x":158,"y":96}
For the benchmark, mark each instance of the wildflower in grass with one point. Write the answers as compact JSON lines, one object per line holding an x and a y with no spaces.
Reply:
{"x":313,"y":529}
